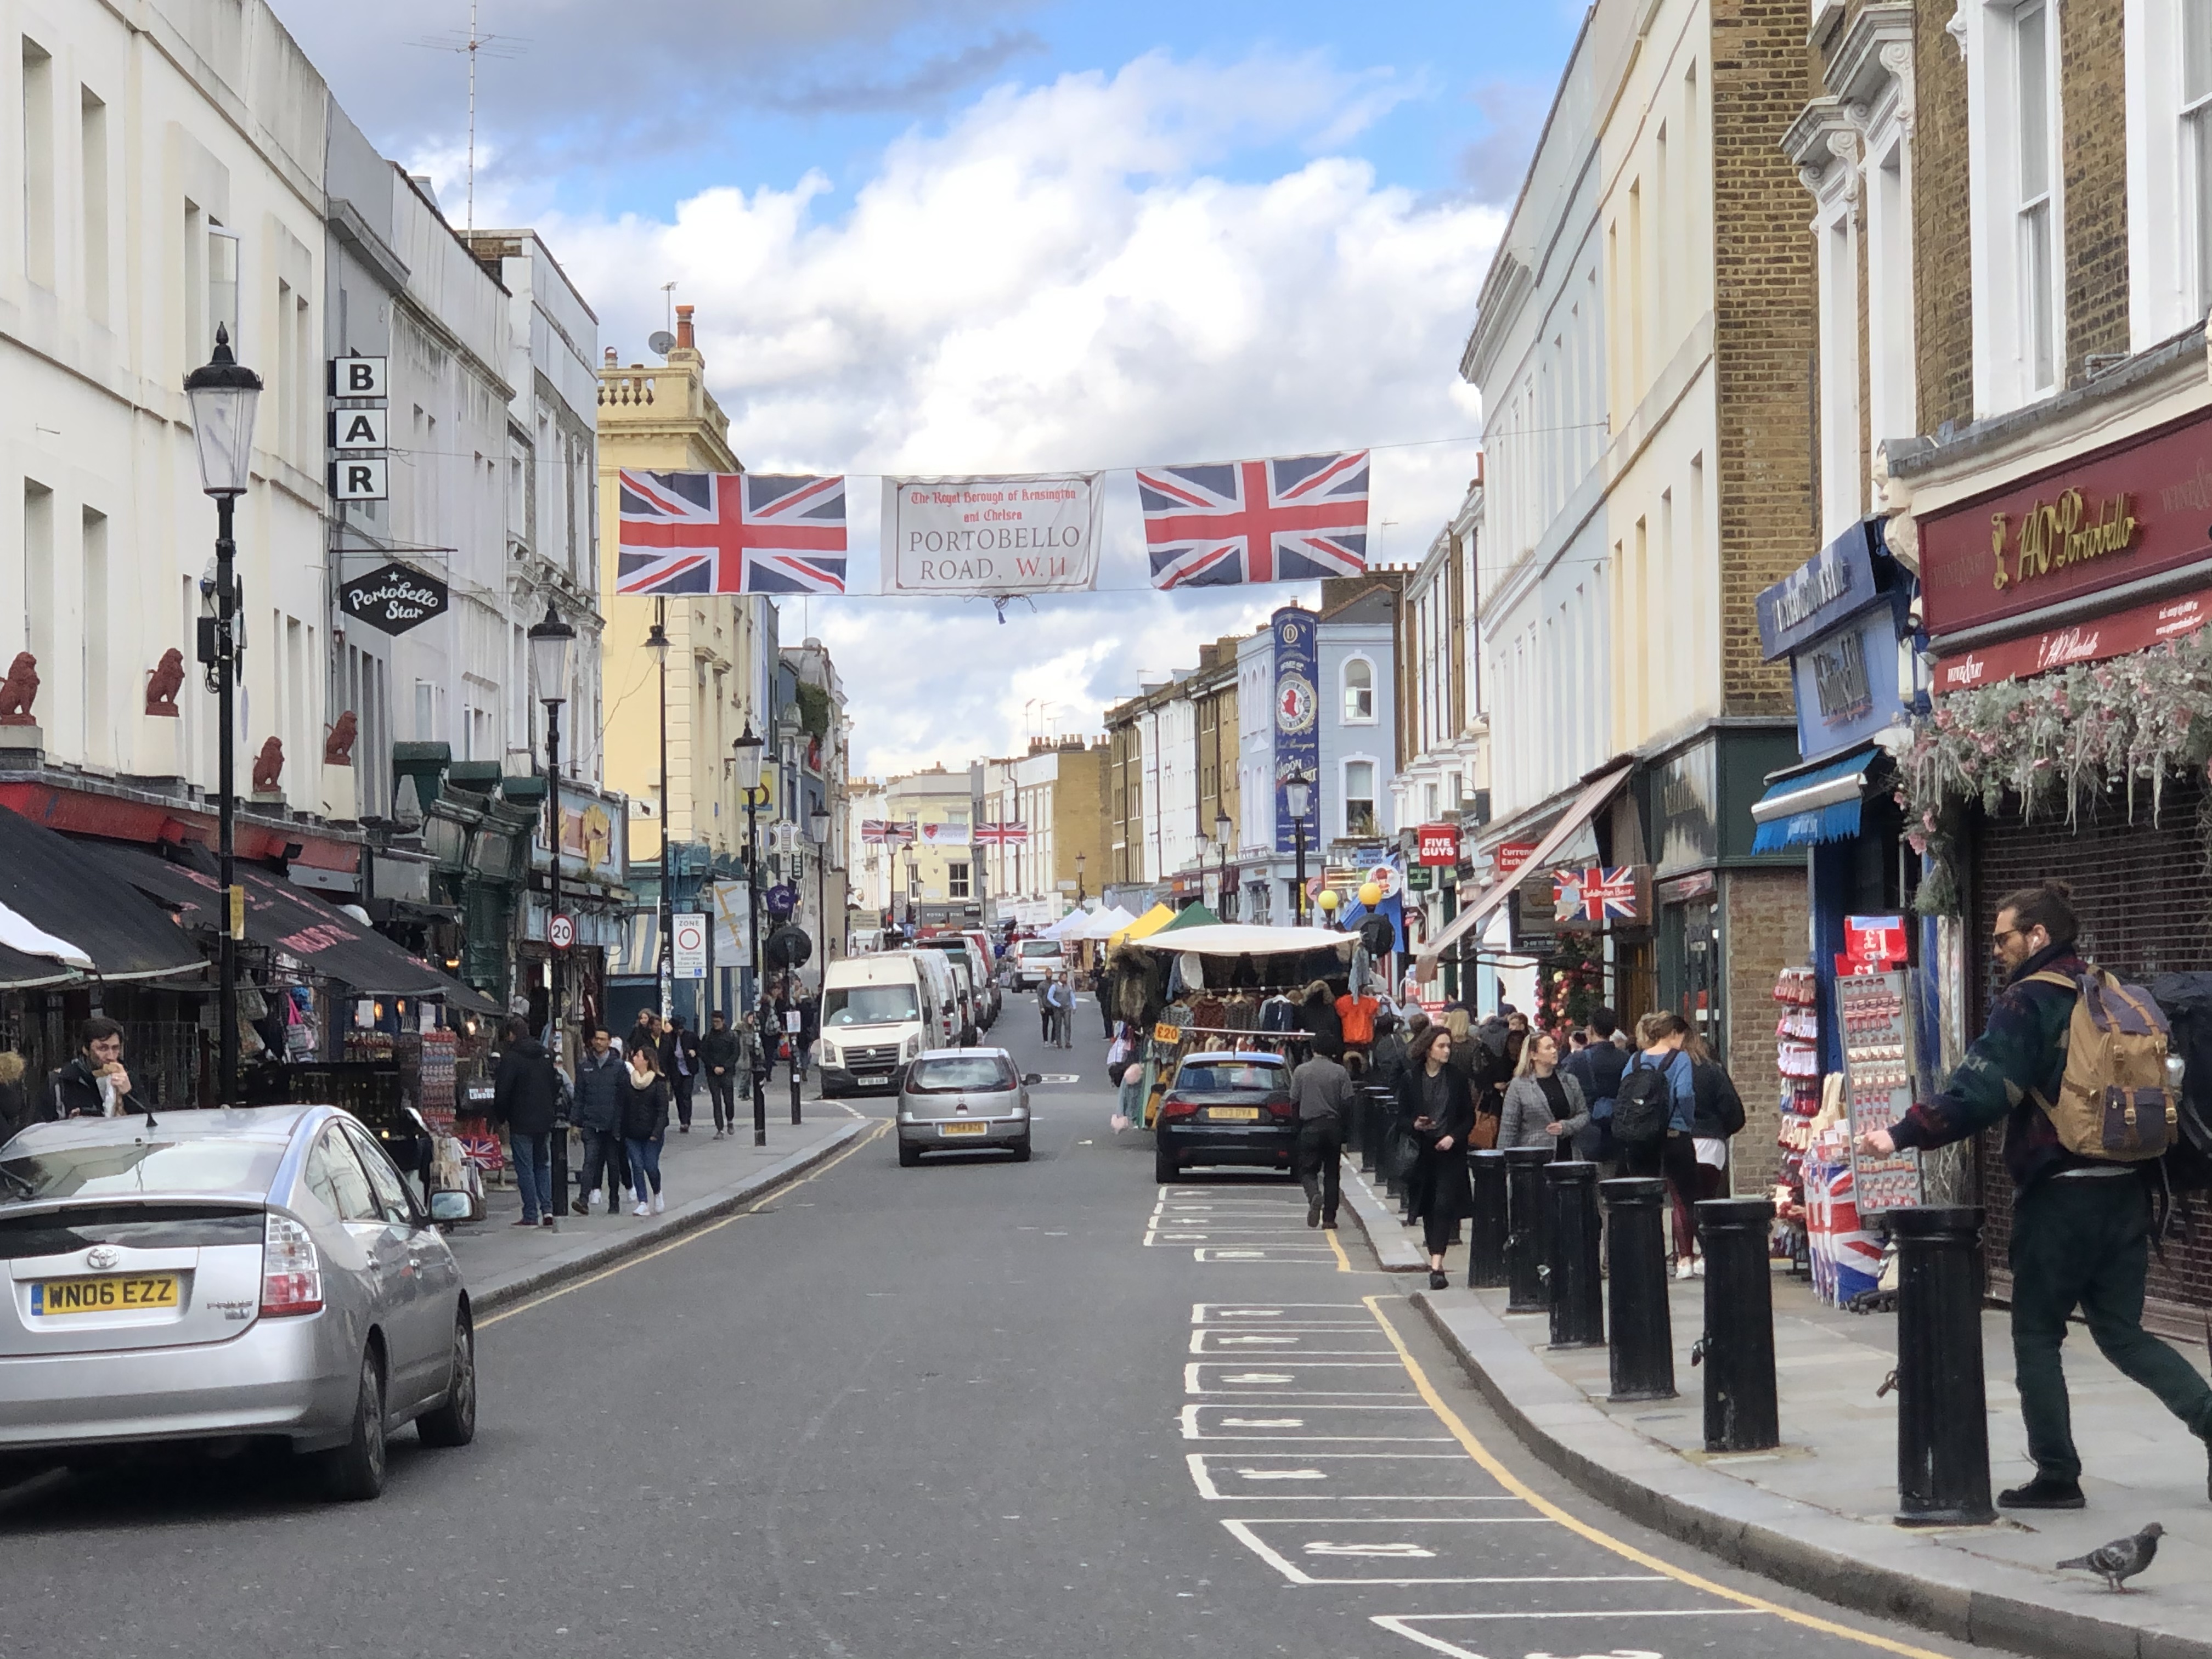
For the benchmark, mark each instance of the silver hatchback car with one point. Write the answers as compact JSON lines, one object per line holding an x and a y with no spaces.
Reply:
{"x":262,"y":1274}
{"x":961,"y":1098}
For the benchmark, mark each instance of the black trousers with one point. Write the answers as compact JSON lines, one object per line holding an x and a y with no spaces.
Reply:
{"x":1321,"y":1163}
{"x":1437,"y":1232}
{"x":1675,"y":1159}
{"x":722,"y":1091}
{"x":681,"y":1087}
{"x":602,"y":1156}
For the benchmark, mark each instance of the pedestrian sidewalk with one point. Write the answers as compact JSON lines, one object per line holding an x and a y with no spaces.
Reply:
{"x":1818,"y":1512}
{"x":705,"y":1179}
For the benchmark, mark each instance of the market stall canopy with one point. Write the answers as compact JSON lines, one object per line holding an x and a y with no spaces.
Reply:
{"x":1485,"y":905}
{"x":283,"y":917}
{"x":68,"y":922}
{"x":1076,"y":924}
{"x":1807,"y":805}
{"x":1238,"y":938}
{"x":1192,"y":916}
{"x":1144,"y":926}
{"x":1108,"y":922}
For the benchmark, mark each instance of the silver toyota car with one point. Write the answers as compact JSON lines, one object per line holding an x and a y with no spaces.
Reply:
{"x":226,"y":1276}
{"x":957,"y":1098}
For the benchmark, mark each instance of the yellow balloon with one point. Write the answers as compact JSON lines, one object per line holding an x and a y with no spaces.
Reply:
{"x":1370,"y":894}
{"x":1327,"y":899}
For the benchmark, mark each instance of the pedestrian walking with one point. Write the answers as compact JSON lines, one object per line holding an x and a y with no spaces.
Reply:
{"x":1719,"y":1118}
{"x":598,"y":1115}
{"x":1046,"y":1009}
{"x":1655,"y":1114}
{"x":1597,"y":1066}
{"x":1063,"y":1019}
{"x":95,"y":1083}
{"x":2081,"y":1223}
{"x":17,"y":1111}
{"x":527,"y":1098}
{"x":679,"y":1064}
{"x":1321,"y":1088}
{"x":810,"y":1029}
{"x":1386,"y":1056}
{"x":1544,"y":1106}
{"x":718,"y":1061}
{"x":645,"y":1126}
{"x":1435,"y":1100}
{"x":646,"y":1034}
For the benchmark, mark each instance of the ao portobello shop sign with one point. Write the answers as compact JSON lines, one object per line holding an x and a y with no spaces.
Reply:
{"x":394,"y":597}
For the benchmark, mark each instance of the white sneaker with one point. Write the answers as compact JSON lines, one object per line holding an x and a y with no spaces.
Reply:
{"x":1681,"y":1270}
{"x":593,"y":1201}
{"x":642,"y":1209}
{"x":659,"y":1202}
{"x":1698,"y":1268}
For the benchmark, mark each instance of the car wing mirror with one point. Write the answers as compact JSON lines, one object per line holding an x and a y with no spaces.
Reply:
{"x":450,"y":1205}
{"x":1029,"y":1077}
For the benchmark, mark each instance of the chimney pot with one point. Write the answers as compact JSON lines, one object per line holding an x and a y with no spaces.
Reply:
{"x":613,"y":360}
{"x":683,"y":339}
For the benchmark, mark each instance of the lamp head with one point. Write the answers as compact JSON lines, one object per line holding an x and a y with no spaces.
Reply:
{"x":656,"y":640}
{"x":1224,"y":827}
{"x":748,"y":751}
{"x":551,"y":643}
{"x":1298,"y":793}
{"x":223,"y":395}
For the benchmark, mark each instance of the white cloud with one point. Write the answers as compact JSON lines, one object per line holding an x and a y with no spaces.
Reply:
{"x":1066,"y":276}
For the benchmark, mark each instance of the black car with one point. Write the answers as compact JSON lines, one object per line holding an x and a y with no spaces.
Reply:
{"x":1225,"y":1108}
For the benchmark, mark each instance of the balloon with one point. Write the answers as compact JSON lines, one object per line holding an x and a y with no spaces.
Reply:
{"x":1328,"y":900}
{"x":1370,"y":894}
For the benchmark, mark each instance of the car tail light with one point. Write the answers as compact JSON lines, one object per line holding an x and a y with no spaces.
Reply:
{"x":291,"y":1271}
{"x":1176,"y":1106}
{"x":1284,"y":1109}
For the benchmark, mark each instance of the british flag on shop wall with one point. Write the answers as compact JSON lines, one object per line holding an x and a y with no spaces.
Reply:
{"x":1003,"y":835}
{"x":731,"y":532}
{"x":1227,"y":523}
{"x":1599,"y":894}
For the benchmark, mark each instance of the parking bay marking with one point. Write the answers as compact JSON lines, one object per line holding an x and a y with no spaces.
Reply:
{"x":1232,"y":1380}
{"x":1258,"y":1422}
{"x":1273,"y":1253}
{"x":1402,"y":1624}
{"x":1312,"y":1477}
{"x":1286,"y":1315}
{"x":1281,"y":1347}
{"x":1402,"y":1549}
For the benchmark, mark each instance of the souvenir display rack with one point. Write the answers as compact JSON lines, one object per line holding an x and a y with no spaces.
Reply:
{"x":1878,"y":1074}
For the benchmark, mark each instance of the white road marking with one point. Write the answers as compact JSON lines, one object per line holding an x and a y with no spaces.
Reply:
{"x":1258,"y":1377}
{"x":1301,"y":1466}
{"x":1282,"y":1475}
{"x":1289,"y":1313}
{"x":1402,"y":1624}
{"x":1263,"y":1422}
{"x":1326,"y":1374}
{"x":1243,"y":1533}
{"x":1380,"y":1552}
{"x":1193,"y":1430}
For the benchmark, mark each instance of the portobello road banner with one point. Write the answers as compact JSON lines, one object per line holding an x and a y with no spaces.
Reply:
{"x":993,"y":537}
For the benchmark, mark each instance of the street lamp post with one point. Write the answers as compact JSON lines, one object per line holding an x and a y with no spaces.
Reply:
{"x":818,"y":819}
{"x":748,"y":751}
{"x":664,"y":962}
{"x":1079,"y":858}
{"x":550,"y":642}
{"x":1225,"y":827}
{"x":223,"y":395}
{"x":1298,"y":795}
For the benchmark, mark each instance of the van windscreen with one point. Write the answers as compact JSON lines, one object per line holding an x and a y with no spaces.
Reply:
{"x":869,"y":1004}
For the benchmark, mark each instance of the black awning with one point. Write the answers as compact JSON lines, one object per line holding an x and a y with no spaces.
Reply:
{"x":61,"y":887}
{"x":283,"y":917}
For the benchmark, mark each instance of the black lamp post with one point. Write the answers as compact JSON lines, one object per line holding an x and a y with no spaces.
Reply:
{"x":664,"y":965}
{"x":223,"y":395}
{"x":1298,"y":795}
{"x":818,"y":819}
{"x":747,"y":749}
{"x":550,"y":642}
{"x":1079,"y":858}
{"x":1224,"y":827}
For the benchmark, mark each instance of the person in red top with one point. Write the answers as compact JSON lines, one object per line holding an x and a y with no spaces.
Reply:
{"x":1357,"y":1016}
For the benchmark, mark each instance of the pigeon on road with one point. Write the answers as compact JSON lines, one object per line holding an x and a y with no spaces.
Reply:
{"x":2123,"y":1559}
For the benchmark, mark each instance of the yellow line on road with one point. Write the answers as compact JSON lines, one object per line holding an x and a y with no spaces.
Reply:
{"x":691,"y":1237}
{"x":1520,"y":1489}
{"x":1343,"y":1261}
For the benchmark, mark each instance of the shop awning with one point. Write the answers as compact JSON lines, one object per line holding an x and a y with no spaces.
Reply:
{"x":283,"y":917}
{"x":1586,"y":806}
{"x":1807,"y":806}
{"x":70,"y":920}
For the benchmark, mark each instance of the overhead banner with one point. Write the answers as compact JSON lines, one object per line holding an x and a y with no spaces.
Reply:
{"x":1292,"y":519}
{"x":1298,"y":727}
{"x":993,"y":537}
{"x":730,"y":533}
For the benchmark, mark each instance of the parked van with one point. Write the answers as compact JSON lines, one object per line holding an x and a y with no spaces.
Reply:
{"x":944,"y":989}
{"x":877,"y":1013}
{"x":973,"y":973}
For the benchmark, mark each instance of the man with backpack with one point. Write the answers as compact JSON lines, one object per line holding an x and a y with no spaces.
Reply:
{"x":2073,"y":1064}
{"x":1597,"y":1066}
{"x":1655,"y":1115}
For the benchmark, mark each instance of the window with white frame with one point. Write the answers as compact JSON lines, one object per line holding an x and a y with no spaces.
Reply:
{"x":2196,"y":21}
{"x":2033,"y":42}
{"x":1359,"y":692}
{"x":1359,"y":797}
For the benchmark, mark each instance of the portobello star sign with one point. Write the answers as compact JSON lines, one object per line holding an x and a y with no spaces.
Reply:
{"x":394,"y":596}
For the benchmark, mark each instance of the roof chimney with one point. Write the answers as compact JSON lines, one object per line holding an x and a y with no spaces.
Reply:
{"x":613,"y":360}
{"x":683,"y":340}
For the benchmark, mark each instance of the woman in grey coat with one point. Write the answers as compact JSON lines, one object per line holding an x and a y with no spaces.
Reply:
{"x":1544,"y":1106}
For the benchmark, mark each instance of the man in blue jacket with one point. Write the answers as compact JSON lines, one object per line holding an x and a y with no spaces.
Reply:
{"x":2080,"y":1227}
{"x":597,"y":1114}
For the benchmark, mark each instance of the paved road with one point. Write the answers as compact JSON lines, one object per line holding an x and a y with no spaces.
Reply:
{"x":1048,"y":1410}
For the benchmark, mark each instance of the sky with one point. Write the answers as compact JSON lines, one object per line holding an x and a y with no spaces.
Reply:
{"x":999,"y":235}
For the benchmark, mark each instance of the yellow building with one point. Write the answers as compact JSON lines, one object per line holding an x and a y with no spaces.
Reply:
{"x":721,"y":657}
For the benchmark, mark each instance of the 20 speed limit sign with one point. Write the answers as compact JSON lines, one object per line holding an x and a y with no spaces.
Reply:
{"x":562,"y":932}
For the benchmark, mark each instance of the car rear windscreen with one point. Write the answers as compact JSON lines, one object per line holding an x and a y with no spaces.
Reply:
{"x":119,"y":1167}
{"x":957,"y":1074}
{"x":153,"y":1226}
{"x":1229,"y":1077}
{"x":1040,"y":947}
{"x":869,"y":1004}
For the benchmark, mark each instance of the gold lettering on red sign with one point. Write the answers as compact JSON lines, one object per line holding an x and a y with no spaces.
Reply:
{"x":2055,"y":535}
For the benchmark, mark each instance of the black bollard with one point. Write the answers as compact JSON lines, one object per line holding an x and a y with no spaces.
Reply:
{"x":1571,"y":1245}
{"x":1737,"y":1350}
{"x":1642,"y":1324}
{"x":1526,"y":1290}
{"x":1486,"y":1230}
{"x":1347,"y":1129}
{"x":1374,"y":1122}
{"x":1942,"y":1420}
{"x":794,"y":1082}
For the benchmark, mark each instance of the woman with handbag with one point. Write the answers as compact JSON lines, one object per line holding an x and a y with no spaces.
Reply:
{"x":1544,"y":1105}
{"x":1435,"y":1099}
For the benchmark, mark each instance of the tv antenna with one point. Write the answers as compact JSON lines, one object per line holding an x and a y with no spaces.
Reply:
{"x":476,"y":45}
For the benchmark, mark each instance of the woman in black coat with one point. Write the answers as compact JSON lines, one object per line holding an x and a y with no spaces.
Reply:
{"x":645,"y":1100}
{"x":1435,"y":1099}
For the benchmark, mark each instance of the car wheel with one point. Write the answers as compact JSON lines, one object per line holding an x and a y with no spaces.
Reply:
{"x":909,"y":1155}
{"x":1022,"y":1152}
{"x":355,"y":1472}
{"x":454,"y":1422}
{"x":1166,"y":1167}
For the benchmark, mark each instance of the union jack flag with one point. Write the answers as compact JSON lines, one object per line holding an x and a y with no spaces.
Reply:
{"x":886,"y":833}
{"x":731,"y":532}
{"x":1599,"y":894}
{"x":1288,"y":519}
{"x":1015,"y":834}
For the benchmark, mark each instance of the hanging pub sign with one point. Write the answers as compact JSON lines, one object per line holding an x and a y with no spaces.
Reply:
{"x":394,"y":597}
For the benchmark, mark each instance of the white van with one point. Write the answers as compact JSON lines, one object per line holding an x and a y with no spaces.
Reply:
{"x":877,"y":1013}
{"x":938,"y":974}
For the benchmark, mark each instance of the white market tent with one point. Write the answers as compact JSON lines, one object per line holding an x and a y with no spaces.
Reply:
{"x":1103,"y":924}
{"x":1236,"y":939}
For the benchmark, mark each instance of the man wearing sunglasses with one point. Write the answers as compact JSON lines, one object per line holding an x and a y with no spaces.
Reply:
{"x":2080,"y":1228}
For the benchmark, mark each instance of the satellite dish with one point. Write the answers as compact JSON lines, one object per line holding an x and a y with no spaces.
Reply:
{"x":662,"y":342}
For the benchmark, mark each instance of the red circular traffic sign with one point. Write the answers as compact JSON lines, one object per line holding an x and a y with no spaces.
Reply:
{"x":562,"y":932}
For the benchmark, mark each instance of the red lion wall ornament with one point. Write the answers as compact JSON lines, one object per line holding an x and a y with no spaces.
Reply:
{"x":19,"y":692}
{"x":268,"y":767}
{"x":337,"y":745}
{"x":164,"y":683}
